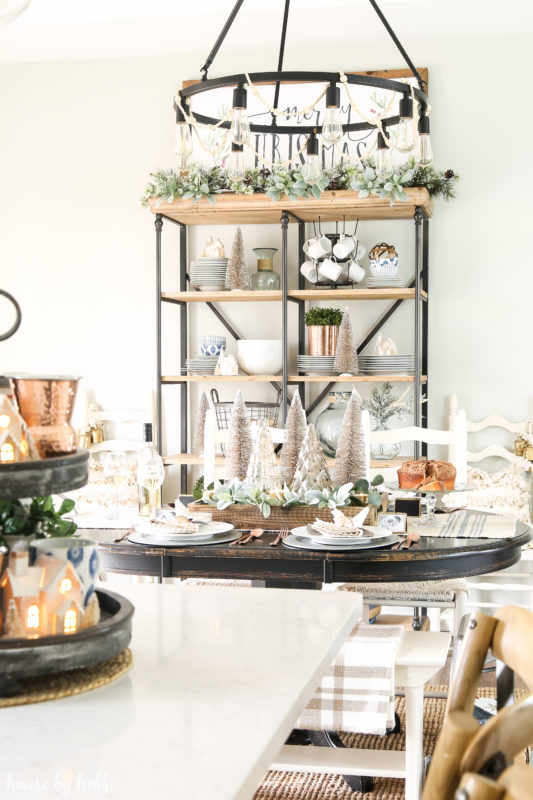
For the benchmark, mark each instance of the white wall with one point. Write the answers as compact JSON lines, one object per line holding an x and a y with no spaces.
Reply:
{"x":78,"y":140}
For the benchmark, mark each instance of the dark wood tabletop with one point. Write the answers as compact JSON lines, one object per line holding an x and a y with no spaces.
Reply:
{"x":429,"y":559}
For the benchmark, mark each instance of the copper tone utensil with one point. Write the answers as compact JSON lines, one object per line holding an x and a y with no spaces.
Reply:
{"x":244,"y":535}
{"x":121,"y":538}
{"x":256,"y":533}
{"x":279,"y":538}
{"x":406,"y":543}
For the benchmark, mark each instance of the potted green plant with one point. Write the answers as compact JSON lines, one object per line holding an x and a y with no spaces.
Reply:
{"x":35,"y":519}
{"x":322,"y":330}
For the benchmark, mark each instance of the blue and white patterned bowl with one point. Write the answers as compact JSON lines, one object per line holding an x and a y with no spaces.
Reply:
{"x":82,"y":554}
{"x":384,"y":267}
{"x":212,"y":345}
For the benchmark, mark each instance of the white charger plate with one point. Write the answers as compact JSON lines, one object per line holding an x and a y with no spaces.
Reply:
{"x":301,"y":543}
{"x":206,"y":531}
{"x":170,"y":541}
{"x":308,"y":532}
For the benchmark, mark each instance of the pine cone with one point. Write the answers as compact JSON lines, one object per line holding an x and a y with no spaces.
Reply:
{"x":264,"y":173}
{"x":248,"y":180}
{"x":449,"y":174}
{"x":334,"y":184}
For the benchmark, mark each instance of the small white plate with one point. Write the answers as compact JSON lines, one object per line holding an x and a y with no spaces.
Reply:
{"x":205,"y":532}
{"x":301,"y":543}
{"x":165,"y":541}
{"x":307,"y":532}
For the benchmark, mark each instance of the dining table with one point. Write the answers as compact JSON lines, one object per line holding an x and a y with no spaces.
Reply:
{"x":431,"y":558}
{"x":218,"y":679}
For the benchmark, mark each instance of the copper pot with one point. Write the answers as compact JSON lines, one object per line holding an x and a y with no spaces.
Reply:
{"x":322,"y":340}
{"x":46,"y":402}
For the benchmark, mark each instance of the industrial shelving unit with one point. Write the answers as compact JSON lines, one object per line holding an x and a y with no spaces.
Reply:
{"x":230,"y":209}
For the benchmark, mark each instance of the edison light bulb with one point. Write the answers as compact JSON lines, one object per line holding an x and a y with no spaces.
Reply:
{"x":424,"y":152}
{"x":405,"y":138}
{"x":236,"y":162}
{"x":383,"y":158}
{"x":332,"y":128}
{"x":183,"y":147}
{"x":240,"y":127}
{"x":311,"y":169}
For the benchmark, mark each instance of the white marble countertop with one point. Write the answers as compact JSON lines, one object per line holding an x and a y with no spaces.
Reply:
{"x":220,"y":674}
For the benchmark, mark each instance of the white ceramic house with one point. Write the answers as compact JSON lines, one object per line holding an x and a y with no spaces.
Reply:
{"x":13,"y":441}
{"x":43,"y":599}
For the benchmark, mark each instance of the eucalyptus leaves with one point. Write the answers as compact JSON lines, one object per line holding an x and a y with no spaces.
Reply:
{"x":199,"y":182}
{"x":224,"y":495}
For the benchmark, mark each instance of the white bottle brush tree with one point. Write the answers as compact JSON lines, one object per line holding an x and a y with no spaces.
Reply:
{"x":295,"y":430}
{"x":350,"y":461}
{"x":311,"y":470}
{"x":236,"y":273}
{"x":263,"y":470}
{"x":199,"y":428}
{"x":346,"y":353}
{"x":239,"y":444}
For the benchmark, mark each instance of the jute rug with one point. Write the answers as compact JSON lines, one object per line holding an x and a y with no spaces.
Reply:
{"x":74,"y":681}
{"x":310,"y":786}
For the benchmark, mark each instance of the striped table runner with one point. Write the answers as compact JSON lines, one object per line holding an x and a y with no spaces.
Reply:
{"x":475,"y":525}
{"x":357,"y":693}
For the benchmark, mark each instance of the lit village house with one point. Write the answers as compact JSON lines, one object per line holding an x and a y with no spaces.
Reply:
{"x":44,"y":599}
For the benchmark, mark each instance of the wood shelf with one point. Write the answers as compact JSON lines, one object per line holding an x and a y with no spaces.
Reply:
{"x":221,"y":297}
{"x":296,"y":294}
{"x":194,"y":460}
{"x":291,"y":379}
{"x":236,"y":209}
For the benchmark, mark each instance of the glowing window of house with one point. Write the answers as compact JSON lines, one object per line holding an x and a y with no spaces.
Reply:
{"x":7,"y":452}
{"x":24,"y":447}
{"x":65,"y":585}
{"x":5,"y":419}
{"x":69,"y":622}
{"x":32,"y":616}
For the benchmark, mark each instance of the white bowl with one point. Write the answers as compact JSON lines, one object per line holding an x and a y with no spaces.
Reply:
{"x":260,"y":356}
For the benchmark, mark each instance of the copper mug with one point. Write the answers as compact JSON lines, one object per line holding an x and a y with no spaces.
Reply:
{"x":46,"y":402}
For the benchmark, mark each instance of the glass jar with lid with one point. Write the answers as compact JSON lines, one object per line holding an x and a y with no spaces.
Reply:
{"x":265,"y":278}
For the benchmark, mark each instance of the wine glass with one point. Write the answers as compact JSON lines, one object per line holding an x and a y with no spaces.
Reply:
{"x":429,"y":519}
{"x":150,"y":475}
{"x":116,"y":471}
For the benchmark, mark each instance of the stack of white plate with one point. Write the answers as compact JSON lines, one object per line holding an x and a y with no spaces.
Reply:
{"x":209,"y":533}
{"x":397,"y":282}
{"x":209,"y":274}
{"x":316,"y":365}
{"x":386,"y":365}
{"x":201,"y":365}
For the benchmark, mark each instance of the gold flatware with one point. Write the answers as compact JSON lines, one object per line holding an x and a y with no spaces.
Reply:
{"x":405,"y":544}
{"x":256,"y":533}
{"x":121,"y":538}
{"x":280,"y":537}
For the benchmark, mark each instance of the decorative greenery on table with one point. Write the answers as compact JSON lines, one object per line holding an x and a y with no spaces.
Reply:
{"x":384,"y":404}
{"x":323,"y":316}
{"x":36,"y":518}
{"x":201,"y":181}
{"x":224,"y":495}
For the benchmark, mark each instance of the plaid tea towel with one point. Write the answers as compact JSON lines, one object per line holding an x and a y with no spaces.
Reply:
{"x":475,"y":525}
{"x":357,"y":693}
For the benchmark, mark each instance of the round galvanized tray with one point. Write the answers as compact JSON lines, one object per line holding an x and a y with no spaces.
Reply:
{"x":22,"y":658}
{"x":47,"y":476}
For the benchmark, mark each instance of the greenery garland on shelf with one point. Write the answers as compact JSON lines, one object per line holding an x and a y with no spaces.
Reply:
{"x":200,"y":181}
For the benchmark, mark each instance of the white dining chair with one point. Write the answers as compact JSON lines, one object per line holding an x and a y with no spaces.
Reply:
{"x":213,"y":436}
{"x":435,"y":596}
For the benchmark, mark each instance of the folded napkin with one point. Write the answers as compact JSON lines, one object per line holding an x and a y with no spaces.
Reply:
{"x":357,"y":693}
{"x":475,"y":525}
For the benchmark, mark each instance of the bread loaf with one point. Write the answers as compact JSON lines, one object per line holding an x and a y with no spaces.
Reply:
{"x":420,"y":474}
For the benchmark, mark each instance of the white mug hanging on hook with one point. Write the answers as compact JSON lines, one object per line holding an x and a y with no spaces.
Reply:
{"x":344,"y":247}
{"x":329,"y":270}
{"x":319,"y":246}
{"x":309,"y":271}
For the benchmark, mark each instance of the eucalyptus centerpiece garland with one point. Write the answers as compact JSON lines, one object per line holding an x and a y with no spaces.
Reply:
{"x":201,"y":181}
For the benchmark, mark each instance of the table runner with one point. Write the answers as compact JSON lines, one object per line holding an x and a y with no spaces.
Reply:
{"x":474,"y":525}
{"x":357,"y":693}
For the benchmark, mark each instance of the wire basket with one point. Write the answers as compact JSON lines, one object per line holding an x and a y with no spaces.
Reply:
{"x":256,"y":411}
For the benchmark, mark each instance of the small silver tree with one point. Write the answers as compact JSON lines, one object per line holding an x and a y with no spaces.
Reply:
{"x":236,"y":273}
{"x":311,"y":470}
{"x":239,"y":444}
{"x":295,"y":430}
{"x":199,"y":427}
{"x":346,"y":353}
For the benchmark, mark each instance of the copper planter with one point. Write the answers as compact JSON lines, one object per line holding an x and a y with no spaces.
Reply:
{"x":46,"y":403}
{"x":322,"y":340}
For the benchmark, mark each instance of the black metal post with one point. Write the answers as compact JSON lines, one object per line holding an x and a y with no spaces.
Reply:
{"x":280,"y":67}
{"x":418,"y":259}
{"x":398,"y":44}
{"x":284,"y":312}
{"x":301,"y":308}
{"x":159,"y":416}
{"x":222,"y":35}
{"x":425,"y":324}
{"x":183,"y":354}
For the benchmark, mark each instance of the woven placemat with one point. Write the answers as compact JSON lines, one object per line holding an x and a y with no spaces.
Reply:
{"x":312,"y":786}
{"x":73,"y":681}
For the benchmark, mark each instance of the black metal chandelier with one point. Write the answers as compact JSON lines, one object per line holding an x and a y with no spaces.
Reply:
{"x":403,"y":127}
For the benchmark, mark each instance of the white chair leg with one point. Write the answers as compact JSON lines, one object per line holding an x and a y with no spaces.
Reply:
{"x":434,"y":619}
{"x":414,"y":739}
{"x":366,"y":612}
{"x":459,"y":611}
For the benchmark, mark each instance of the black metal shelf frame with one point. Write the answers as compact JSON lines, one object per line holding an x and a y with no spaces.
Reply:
{"x":421,"y":313}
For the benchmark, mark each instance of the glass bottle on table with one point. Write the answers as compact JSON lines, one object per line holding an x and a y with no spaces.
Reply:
{"x":147,"y":455}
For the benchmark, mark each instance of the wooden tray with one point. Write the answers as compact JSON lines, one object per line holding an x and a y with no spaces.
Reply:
{"x":243,"y":516}
{"x":43,"y":477}
{"x":23,"y":658}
